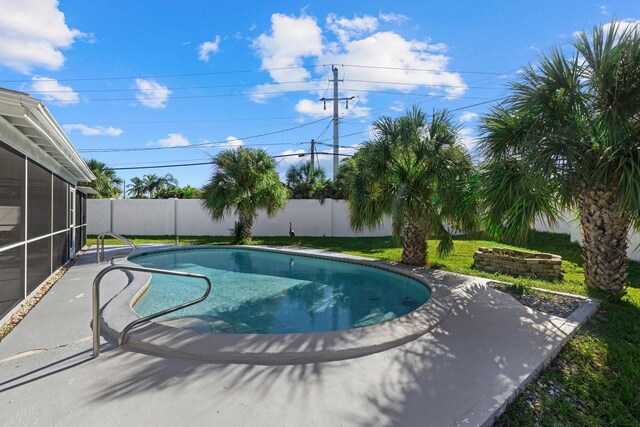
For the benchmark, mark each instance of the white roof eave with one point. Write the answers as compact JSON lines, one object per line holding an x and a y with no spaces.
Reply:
{"x":52,"y":138}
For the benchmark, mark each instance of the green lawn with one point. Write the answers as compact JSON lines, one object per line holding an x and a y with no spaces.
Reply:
{"x":595,"y":381}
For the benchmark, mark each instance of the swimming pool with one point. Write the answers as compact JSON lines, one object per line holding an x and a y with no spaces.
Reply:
{"x":266,"y":292}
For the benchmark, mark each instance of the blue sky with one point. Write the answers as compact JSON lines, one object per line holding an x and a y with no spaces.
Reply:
{"x":158,"y":83}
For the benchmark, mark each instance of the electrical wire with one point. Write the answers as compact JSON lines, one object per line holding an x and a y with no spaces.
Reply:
{"x":180,"y":87}
{"x":204,"y":144}
{"x":258,"y":70}
{"x":177,"y":165}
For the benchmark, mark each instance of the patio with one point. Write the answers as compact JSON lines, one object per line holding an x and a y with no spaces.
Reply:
{"x":462,"y":372}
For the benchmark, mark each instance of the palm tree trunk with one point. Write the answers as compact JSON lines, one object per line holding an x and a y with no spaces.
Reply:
{"x":246,"y":229}
{"x":414,"y":249}
{"x":604,"y":240}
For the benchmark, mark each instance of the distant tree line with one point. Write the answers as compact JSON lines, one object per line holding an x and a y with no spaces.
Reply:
{"x":151,"y":186}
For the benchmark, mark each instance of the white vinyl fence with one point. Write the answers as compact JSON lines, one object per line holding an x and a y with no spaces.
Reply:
{"x":183,"y":217}
{"x":155,"y":217}
{"x":571,"y":225}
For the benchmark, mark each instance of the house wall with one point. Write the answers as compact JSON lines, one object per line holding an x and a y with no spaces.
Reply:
{"x":42,"y":224}
{"x":187,"y":218}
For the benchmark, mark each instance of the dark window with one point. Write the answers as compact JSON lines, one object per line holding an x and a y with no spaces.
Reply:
{"x":78,"y":238}
{"x":60,"y":250}
{"x":11,"y":197}
{"x":84,"y":208}
{"x":59,"y":204}
{"x":11,"y":278}
{"x":78,"y":208}
{"x":38,"y":262}
{"x":71,"y":212}
{"x":39,"y":201}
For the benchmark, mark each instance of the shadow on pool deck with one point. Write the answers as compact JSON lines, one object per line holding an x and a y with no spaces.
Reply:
{"x":461,"y":372}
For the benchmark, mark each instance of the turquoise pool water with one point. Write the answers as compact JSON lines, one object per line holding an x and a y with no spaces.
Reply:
{"x":267,"y":293}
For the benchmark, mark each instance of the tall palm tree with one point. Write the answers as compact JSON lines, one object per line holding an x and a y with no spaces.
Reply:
{"x":152,"y":186}
{"x":415,"y":170}
{"x":306,"y":181}
{"x":163,"y":185}
{"x":244,"y":181}
{"x":137,"y":189}
{"x":568,"y":138}
{"x":107,"y":183}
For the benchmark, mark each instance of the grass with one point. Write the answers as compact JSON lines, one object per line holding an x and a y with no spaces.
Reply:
{"x":595,"y":380}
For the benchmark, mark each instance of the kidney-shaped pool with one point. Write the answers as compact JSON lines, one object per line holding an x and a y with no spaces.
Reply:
{"x":260,"y":292}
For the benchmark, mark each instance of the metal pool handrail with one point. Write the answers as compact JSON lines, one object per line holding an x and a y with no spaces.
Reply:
{"x":122,"y":336}
{"x":100,"y":246}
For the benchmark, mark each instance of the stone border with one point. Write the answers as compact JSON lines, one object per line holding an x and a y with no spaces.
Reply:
{"x":518,"y":263}
{"x":277,"y":349}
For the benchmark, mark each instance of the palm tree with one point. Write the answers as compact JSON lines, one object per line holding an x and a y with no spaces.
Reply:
{"x":415,"y":170}
{"x":567,"y":138}
{"x":244,"y":181}
{"x":152,"y":186}
{"x":107,"y":184}
{"x":137,"y":188}
{"x":306,"y":181}
{"x":163,"y":185}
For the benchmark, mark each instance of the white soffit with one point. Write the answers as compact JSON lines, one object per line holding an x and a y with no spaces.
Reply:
{"x":31,"y":118}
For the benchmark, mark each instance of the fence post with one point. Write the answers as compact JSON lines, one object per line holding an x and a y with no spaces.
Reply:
{"x":175,"y":220}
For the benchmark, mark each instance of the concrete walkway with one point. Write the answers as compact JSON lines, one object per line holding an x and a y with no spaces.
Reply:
{"x":461,"y":373}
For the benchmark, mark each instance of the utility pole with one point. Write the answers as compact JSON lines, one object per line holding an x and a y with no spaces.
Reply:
{"x":124,"y":188}
{"x":313,"y":153}
{"x":335,"y":99}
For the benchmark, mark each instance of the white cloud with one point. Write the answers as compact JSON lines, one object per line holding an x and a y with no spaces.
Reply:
{"x":397,"y":106}
{"x":345,"y":28}
{"x":173,"y":140}
{"x":325,"y":161}
{"x":232,"y":142}
{"x":468,"y":116}
{"x":604,"y":10}
{"x":207,"y":48}
{"x":314,"y":108}
{"x":397,"y":18}
{"x":290,"y":157}
{"x":623,"y":25}
{"x":92,"y":130}
{"x":151,"y":93}
{"x":278,"y":49}
{"x":467,"y":138}
{"x":393,"y":60}
{"x":33,"y":34}
{"x":50,"y":90}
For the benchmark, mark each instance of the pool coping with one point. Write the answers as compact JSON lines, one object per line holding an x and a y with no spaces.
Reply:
{"x":276,"y":349}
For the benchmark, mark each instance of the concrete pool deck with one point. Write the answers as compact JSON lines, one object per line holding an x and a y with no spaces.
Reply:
{"x":462,"y":372}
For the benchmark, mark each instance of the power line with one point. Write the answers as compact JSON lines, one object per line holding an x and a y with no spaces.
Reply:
{"x":180,"y":87}
{"x":420,"y":84}
{"x":172,"y":88}
{"x":420,"y":69}
{"x":254,"y":70}
{"x":178,"y":165}
{"x":187,"y":121}
{"x":148,"y":76}
{"x":278,"y":92}
{"x":204,"y":144}
{"x":452,"y":110}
